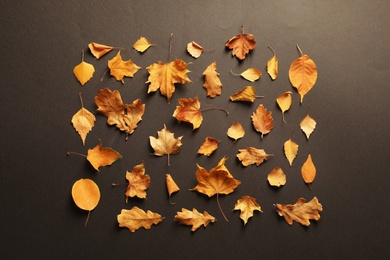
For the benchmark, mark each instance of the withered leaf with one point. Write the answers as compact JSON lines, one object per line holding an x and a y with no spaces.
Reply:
{"x":251,"y":74}
{"x":273,"y":65}
{"x":236,"y":131}
{"x":290,"y":150}
{"x":100,"y":157}
{"x":194,"y":49}
{"x":83,"y":121}
{"x":308,"y":171}
{"x":252,"y":155}
{"x":248,"y":93}
{"x":120,"y":68}
{"x":139,"y":182}
{"x":308,"y":124}
{"x":142,"y":44}
{"x":247,"y":205}
{"x":194,"y":218}
{"x":301,"y":211}
{"x":212,"y":82}
{"x":99,"y":50}
{"x":277,"y":177}
{"x":284,"y":101}
{"x":189,"y":111}
{"x":86,"y":195}
{"x":136,"y":218}
{"x":209,"y":146}
{"x":241,"y":44}
{"x":83,"y":71}
{"x":262,"y":120}
{"x":171,"y":184}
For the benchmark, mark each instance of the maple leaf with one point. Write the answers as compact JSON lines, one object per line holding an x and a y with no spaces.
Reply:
{"x":303,"y":74}
{"x":308,"y":124}
{"x":301,"y":212}
{"x":252,"y":155}
{"x":136,"y":218}
{"x":209,"y":146}
{"x":251,"y":74}
{"x":308,"y":171}
{"x":194,"y":49}
{"x":189,"y":111}
{"x":100,"y":157}
{"x":236,"y":131}
{"x":120,"y":68}
{"x":124,"y":116}
{"x":290,"y":150}
{"x":273,"y":65}
{"x":166,"y":143}
{"x":86,"y":195}
{"x":247,"y":205}
{"x":164,"y":76}
{"x":83,"y":71}
{"x":171,"y":185}
{"x":83,"y":121}
{"x":262,"y":120}
{"x":212,"y":82}
{"x":276,"y":177}
{"x":241,"y":44}
{"x":194,"y":218}
{"x":284,"y":101}
{"x":99,"y":50}
{"x":142,"y":44}
{"x":139,"y":182}
{"x":248,"y":93}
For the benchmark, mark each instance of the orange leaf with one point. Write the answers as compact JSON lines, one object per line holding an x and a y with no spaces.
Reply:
{"x":303,"y":74}
{"x":100,"y":157}
{"x":212,"y":82}
{"x":83,"y":121}
{"x":171,"y":184}
{"x":194,"y":49}
{"x":252,"y":155}
{"x":284,"y":101}
{"x":241,"y":44}
{"x":273,"y":65}
{"x":164,"y":76}
{"x":236,"y":131}
{"x":247,"y":205}
{"x":301,"y":212}
{"x":142,"y":44}
{"x":209,"y":146}
{"x":290,"y":150}
{"x":308,"y":171}
{"x":276,"y":177}
{"x":189,"y":111}
{"x":248,"y":93}
{"x":262,"y":120}
{"x":139,"y":182}
{"x":83,"y":71}
{"x":86,"y":195}
{"x":136,"y":218}
{"x":194,"y":218}
{"x":99,"y":50}
{"x":308,"y":124}
{"x":120,"y":68}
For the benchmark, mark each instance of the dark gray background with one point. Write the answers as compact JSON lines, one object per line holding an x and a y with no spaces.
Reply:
{"x":41,"y":42}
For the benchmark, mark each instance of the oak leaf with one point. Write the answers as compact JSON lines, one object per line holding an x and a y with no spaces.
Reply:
{"x":301,"y":211}
{"x":212,"y":82}
{"x":86,"y":195}
{"x":166,"y":143}
{"x":284,"y":101}
{"x":241,"y":44}
{"x":236,"y":131}
{"x":308,"y":171}
{"x":247,"y":205}
{"x":273,"y":65}
{"x":99,"y":50}
{"x":83,"y":121}
{"x":252,"y":155}
{"x":277,"y":177}
{"x":164,"y":76}
{"x":189,"y":111}
{"x":139,"y":182}
{"x":83,"y":71}
{"x":136,"y":218}
{"x":251,"y":74}
{"x":303,"y":74}
{"x":209,"y":146}
{"x":142,"y":44}
{"x":248,"y":93}
{"x":262,"y":120}
{"x":171,"y":185}
{"x":124,"y":116}
{"x":290,"y":150}
{"x":194,"y":49}
{"x":194,"y":218}
{"x":308,"y":124}
{"x":100,"y":157}
{"x":120,"y":68}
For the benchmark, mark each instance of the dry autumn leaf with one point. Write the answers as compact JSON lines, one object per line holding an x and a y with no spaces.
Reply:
{"x":189,"y":111}
{"x":236,"y":131}
{"x":83,"y":121}
{"x":303,"y":74}
{"x":308,"y":124}
{"x":99,"y":50}
{"x":124,"y":116}
{"x":171,"y":185}
{"x":142,"y":44}
{"x":277,"y":177}
{"x":83,"y":71}
{"x":86,"y":195}
{"x":209,"y":146}
{"x":194,"y":218}
{"x":262,"y":120}
{"x":248,"y":93}
{"x":212,"y":82}
{"x":120,"y":68}
{"x":252,"y":155}
{"x":247,"y":205}
{"x":166,"y":143}
{"x":139,"y":182}
{"x":301,"y":212}
{"x":284,"y":101}
{"x":241,"y":44}
{"x":194,"y":49}
{"x":308,"y":171}
{"x":100,"y":157}
{"x":251,"y":74}
{"x":273,"y":65}
{"x":136,"y":218}
{"x":290,"y":150}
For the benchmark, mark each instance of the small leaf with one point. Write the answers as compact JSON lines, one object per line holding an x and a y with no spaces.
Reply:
{"x":252,"y":155}
{"x":273,"y":65}
{"x":209,"y":146}
{"x":251,"y":74}
{"x":136,"y":218}
{"x":284,"y":101}
{"x":308,"y":171}
{"x":171,"y":184}
{"x":189,"y":111}
{"x":248,"y":94}
{"x":277,"y":177}
{"x":83,"y":71}
{"x":100,"y":157}
{"x":194,"y":218}
{"x":241,"y":44}
{"x":247,"y":205}
{"x":120,"y":68}
{"x":301,"y":211}
{"x":262,"y":120}
{"x":142,"y":44}
{"x":308,"y":124}
{"x":83,"y":121}
{"x":290,"y":150}
{"x":236,"y":131}
{"x":99,"y":50}
{"x":194,"y":49}
{"x":139,"y":182}
{"x":212,"y":82}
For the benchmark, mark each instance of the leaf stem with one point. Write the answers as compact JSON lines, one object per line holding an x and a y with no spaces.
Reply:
{"x":104,"y":74}
{"x":82,"y":55}
{"x":310,"y":186}
{"x":234,"y":73}
{"x":117,"y":184}
{"x":242,"y":29}
{"x":219,"y":205}
{"x":215,"y":108}
{"x":86,"y":221}
{"x":272,"y":50}
{"x":81,"y":99}
{"x":170,"y":47}
{"x":300,"y":50}
{"x":283,"y":118}
{"x":259,"y":96}
{"x":75,"y":153}
{"x":169,"y":161}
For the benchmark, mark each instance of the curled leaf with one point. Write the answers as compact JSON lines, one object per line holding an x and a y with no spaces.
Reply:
{"x":171,"y":184}
{"x":290,"y":150}
{"x":194,"y":218}
{"x":136,"y":218}
{"x":277,"y":177}
{"x":209,"y":146}
{"x":262,"y":120}
{"x":100,"y":157}
{"x":212,"y":82}
{"x":83,"y":71}
{"x":83,"y":121}
{"x":308,"y":171}
{"x":236,"y":131}
{"x":99,"y":50}
{"x":248,"y":94}
{"x":139,"y":182}
{"x":301,"y":211}
{"x":252,"y":155}
{"x":247,"y":205}
{"x":308,"y":124}
{"x":120,"y":68}
{"x":189,"y":111}
{"x":273,"y":65}
{"x":284,"y":101}
{"x":194,"y":49}
{"x":241,"y":44}
{"x":142,"y":44}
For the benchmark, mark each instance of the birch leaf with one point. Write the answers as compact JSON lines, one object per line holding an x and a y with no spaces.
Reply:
{"x":252,"y":155}
{"x":236,"y":131}
{"x":262,"y":120}
{"x":139,"y":182}
{"x":136,"y":218}
{"x":248,"y":94}
{"x":142,"y":44}
{"x":273,"y":65}
{"x":308,"y":171}
{"x":277,"y":177}
{"x":83,"y":121}
{"x":99,"y":50}
{"x":120,"y":68}
{"x":209,"y":146}
{"x":284,"y":101}
{"x":308,"y":124}
{"x":194,"y":49}
{"x":302,"y":211}
{"x":290,"y":150}
{"x":83,"y":71}
{"x":194,"y":218}
{"x":241,"y":44}
{"x":212,"y":82}
{"x":247,"y":205}
{"x":251,"y":74}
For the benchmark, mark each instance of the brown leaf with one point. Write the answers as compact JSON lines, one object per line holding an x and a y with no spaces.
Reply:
{"x":301,"y":212}
{"x":189,"y":111}
{"x":99,"y":50}
{"x":209,"y":146}
{"x":248,"y":93}
{"x":120,"y":68}
{"x":308,"y":171}
{"x":212,"y":82}
{"x":252,"y":155}
{"x":83,"y":121}
{"x":284,"y":101}
{"x":308,"y":124}
{"x":124,"y":116}
{"x":139,"y":182}
{"x":247,"y":205}
{"x":194,"y":49}
{"x":164,"y":76}
{"x":136,"y":218}
{"x":290,"y":150}
{"x":236,"y":131}
{"x":273,"y":65}
{"x":194,"y":218}
{"x":100,"y":157}
{"x":171,"y":184}
{"x":83,"y":71}
{"x":277,"y":177}
{"x":241,"y":44}
{"x":142,"y":44}
{"x":262,"y":120}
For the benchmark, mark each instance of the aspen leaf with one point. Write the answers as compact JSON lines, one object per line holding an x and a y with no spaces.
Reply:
{"x":252,"y":155}
{"x":251,"y":74}
{"x":308,"y":171}
{"x":209,"y":146}
{"x":284,"y":101}
{"x":241,"y":44}
{"x":262,"y":120}
{"x":83,"y":71}
{"x":99,"y":50}
{"x":273,"y":65}
{"x":189,"y":111}
{"x":142,"y":44}
{"x":86,"y":195}
{"x":248,"y":94}
{"x":236,"y":131}
{"x":83,"y":121}
{"x":277,"y":177}
{"x":164,"y":76}
{"x":100,"y":157}
{"x":290,"y":150}
{"x":124,"y":116}
{"x":120,"y":68}
{"x":194,"y":218}
{"x":247,"y":205}
{"x":212,"y":82}
{"x":303,"y":74}
{"x":308,"y":124}
{"x":171,"y":185}
{"x":302,"y":211}
{"x":166,"y":143}
{"x":136,"y":218}
{"x":194,"y":49}
{"x":139,"y":182}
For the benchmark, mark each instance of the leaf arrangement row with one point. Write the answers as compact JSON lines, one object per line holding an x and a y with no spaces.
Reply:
{"x":219,"y":180}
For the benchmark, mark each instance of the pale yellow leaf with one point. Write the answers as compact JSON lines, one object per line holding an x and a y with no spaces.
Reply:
{"x":284,"y":101}
{"x":236,"y":131}
{"x":277,"y":177}
{"x":273,"y":65}
{"x":83,"y":121}
{"x":142,"y":44}
{"x":194,"y":218}
{"x":194,"y":49}
{"x":290,"y":150}
{"x":136,"y":218}
{"x":308,"y":124}
{"x":252,"y":155}
{"x":251,"y":74}
{"x":247,"y":205}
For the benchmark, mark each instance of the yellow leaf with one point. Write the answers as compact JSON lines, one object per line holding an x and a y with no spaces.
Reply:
{"x":273,"y":65}
{"x":241,"y":44}
{"x":248,"y":93}
{"x":252,"y":155}
{"x":251,"y":74}
{"x":236,"y":131}
{"x":120,"y":68}
{"x":83,"y":121}
{"x":212,"y":82}
{"x":308,"y":171}
{"x":99,"y":50}
{"x":194,"y":49}
{"x":308,"y":124}
{"x":209,"y":146}
{"x":136,"y":218}
{"x":189,"y":111}
{"x":247,"y":205}
{"x":142,"y":44}
{"x":290,"y":150}
{"x":262,"y":120}
{"x":139,"y":182}
{"x":301,"y":211}
{"x":83,"y":71}
{"x":277,"y":177}
{"x":100,"y":157}
{"x":303,"y":74}
{"x":194,"y":218}
{"x":171,"y":184}
{"x":284,"y":101}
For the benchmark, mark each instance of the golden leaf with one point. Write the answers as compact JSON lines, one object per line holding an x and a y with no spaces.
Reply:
{"x":290,"y":150}
{"x":308,"y":171}
{"x":194,"y":218}
{"x":252,"y":155}
{"x":236,"y":131}
{"x":120,"y":68}
{"x":189,"y":111}
{"x":124,"y":116}
{"x":301,"y":212}
{"x":142,"y":44}
{"x":273,"y":65}
{"x":164,"y":76}
{"x":284,"y":101}
{"x":262,"y":120}
{"x":139,"y":182}
{"x":99,"y":50}
{"x":212,"y":82}
{"x":83,"y":71}
{"x":100,"y":157}
{"x":166,"y":143}
{"x":251,"y":74}
{"x":241,"y":44}
{"x":308,"y":124}
{"x":248,"y":93}
{"x":303,"y":74}
{"x":86,"y":195}
{"x":247,"y":205}
{"x":277,"y":177}
{"x":194,"y":49}
{"x":171,"y":184}
{"x":83,"y":121}
{"x":209,"y":146}
{"x":136,"y":218}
